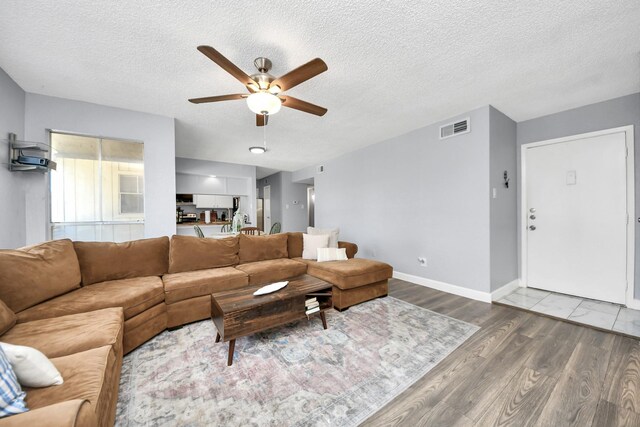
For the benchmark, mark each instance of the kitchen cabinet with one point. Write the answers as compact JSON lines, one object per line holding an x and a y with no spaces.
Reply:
{"x":209,"y":201}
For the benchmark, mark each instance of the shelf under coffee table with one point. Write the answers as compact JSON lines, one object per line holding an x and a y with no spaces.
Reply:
{"x":238,"y":313}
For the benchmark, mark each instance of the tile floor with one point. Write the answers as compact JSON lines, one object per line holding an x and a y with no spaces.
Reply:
{"x":599,"y":314}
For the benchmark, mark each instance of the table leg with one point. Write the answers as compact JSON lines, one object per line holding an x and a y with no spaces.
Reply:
{"x":232,"y":346}
{"x":218,"y":337}
{"x":324,"y":319}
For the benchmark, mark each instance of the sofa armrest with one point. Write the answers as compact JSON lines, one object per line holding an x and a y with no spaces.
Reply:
{"x":72,"y":413}
{"x":352,"y":248}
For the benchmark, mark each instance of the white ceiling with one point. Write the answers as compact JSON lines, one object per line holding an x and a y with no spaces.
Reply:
{"x":394,"y":66}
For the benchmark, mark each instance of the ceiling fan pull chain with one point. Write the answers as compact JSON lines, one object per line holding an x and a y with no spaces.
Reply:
{"x":264,"y":128}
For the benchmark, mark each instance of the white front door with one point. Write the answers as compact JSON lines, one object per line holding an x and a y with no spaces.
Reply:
{"x":576,"y":217}
{"x":266,"y":192}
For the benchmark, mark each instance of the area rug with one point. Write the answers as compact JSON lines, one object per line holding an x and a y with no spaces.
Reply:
{"x":295,"y":375}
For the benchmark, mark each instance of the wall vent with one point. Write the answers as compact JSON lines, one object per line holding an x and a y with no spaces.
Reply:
{"x":456,"y":128}
{"x":320,"y":168}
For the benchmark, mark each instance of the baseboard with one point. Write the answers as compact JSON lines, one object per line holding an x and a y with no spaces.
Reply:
{"x":445,"y":287}
{"x":505,"y":290}
{"x":634,"y":304}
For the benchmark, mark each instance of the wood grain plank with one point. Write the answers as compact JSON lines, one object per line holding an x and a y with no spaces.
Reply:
{"x":483,"y":386}
{"x":575,"y":397}
{"x":552,"y":355}
{"x":622,"y":385}
{"x":610,"y":415}
{"x":521,"y":401}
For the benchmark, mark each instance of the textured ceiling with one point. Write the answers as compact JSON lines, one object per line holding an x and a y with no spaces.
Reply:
{"x":394,"y":66}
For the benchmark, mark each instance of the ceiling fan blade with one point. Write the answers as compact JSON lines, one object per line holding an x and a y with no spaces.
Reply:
{"x":217,"y":98}
{"x":261,"y":120}
{"x":301,"y":74}
{"x":298,"y":104}
{"x":226,"y":65}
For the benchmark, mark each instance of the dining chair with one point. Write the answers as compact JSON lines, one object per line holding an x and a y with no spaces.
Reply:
{"x":199,"y":232}
{"x":226,"y":228}
{"x":275,"y":228}
{"x":250,"y":230}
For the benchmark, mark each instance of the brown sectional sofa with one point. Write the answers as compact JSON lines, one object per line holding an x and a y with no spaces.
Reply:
{"x":86,"y":304}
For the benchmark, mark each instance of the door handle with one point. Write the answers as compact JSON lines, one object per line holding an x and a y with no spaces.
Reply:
{"x":532,"y":227}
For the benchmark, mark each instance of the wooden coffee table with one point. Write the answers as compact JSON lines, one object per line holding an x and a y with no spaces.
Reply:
{"x":238,"y":313}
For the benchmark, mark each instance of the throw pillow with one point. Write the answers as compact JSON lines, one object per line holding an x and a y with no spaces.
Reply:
{"x":333,"y":233}
{"x":311,"y":243}
{"x":11,"y":394}
{"x":32,"y":368}
{"x":332,"y":254}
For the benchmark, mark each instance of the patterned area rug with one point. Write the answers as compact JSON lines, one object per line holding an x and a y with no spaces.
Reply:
{"x":295,"y":375}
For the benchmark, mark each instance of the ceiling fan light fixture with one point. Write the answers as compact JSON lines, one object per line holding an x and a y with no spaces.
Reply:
{"x":257,"y":150}
{"x":264,"y":103}
{"x":275,"y":89}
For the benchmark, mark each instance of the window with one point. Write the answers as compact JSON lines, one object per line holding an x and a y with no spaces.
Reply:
{"x":97,"y":191}
{"x":131,"y":195}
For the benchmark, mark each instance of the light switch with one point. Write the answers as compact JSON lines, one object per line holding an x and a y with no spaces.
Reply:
{"x":571,"y":177}
{"x":495,"y":193}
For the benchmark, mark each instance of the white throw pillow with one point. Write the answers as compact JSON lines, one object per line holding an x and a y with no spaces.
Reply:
{"x":310,"y":245}
{"x":332,"y":254}
{"x":334,"y":234}
{"x":32,"y":368}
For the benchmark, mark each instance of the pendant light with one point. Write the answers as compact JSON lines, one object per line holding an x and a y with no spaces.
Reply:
{"x":258,"y":149}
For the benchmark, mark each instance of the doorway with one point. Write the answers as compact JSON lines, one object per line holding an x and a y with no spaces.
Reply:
{"x":577,"y":205}
{"x":311,"y":203}
{"x":266,"y":195}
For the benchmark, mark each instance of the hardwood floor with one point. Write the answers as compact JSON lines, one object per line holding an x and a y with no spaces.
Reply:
{"x":519,"y":369}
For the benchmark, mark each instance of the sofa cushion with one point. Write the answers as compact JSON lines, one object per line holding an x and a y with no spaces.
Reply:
{"x":295,"y":244}
{"x":36,"y":273}
{"x":70,"y":334}
{"x":274,"y":270}
{"x":87,"y":375}
{"x":7,"y":318}
{"x":189,"y":253}
{"x":181,"y":286}
{"x":133,"y":295}
{"x":103,"y":261}
{"x":334,"y":234}
{"x":261,"y":248}
{"x":72,"y":413}
{"x":351,"y":273}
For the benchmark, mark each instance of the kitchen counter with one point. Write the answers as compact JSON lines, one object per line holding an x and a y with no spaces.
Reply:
{"x":202,"y":224}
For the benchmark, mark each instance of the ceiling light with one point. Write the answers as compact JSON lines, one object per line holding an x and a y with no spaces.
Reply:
{"x":257,"y":150}
{"x":212,"y":176}
{"x":275,"y":89}
{"x":264,"y":103}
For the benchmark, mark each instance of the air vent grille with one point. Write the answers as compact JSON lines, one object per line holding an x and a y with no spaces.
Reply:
{"x":456,"y":128}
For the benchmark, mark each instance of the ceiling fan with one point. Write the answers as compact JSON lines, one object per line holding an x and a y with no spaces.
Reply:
{"x":266,"y":91}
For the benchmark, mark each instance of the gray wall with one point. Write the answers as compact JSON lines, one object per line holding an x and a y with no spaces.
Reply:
{"x":613,"y":113}
{"x":504,"y":238}
{"x":416,"y":195}
{"x":157,"y":133}
{"x":295,"y":215}
{"x":13,"y":185}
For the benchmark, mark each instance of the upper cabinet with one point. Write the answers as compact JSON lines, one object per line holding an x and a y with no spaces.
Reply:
{"x":200,"y":184}
{"x":207,"y":201}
